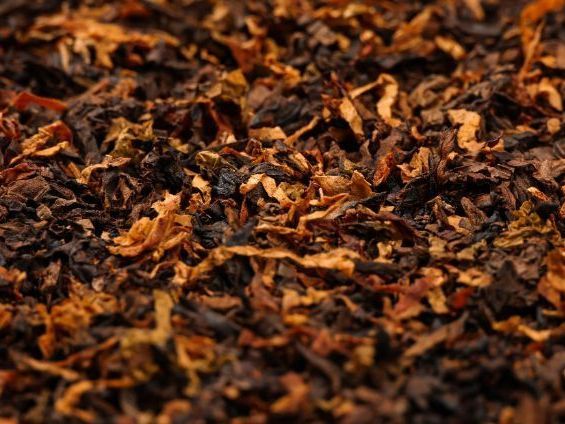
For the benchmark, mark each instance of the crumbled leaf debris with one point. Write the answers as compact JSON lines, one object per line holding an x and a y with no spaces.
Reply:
{"x":282,"y":211}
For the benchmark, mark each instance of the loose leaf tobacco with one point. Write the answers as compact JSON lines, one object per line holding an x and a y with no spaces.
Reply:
{"x":282,"y":211}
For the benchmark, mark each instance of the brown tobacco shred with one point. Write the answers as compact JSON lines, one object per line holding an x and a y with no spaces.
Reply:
{"x":282,"y":211}
{"x":24,"y":99}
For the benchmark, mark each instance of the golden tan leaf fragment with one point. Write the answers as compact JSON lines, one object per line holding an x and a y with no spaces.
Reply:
{"x":12,"y":275}
{"x":437,"y":300}
{"x":6,"y":317}
{"x":555,"y":275}
{"x":332,"y":184}
{"x":532,"y":13}
{"x":546,"y":89}
{"x":36,"y":145}
{"x":538,"y":194}
{"x":409,"y":303}
{"x":390,"y":91}
{"x":297,"y":398}
{"x":220,"y":303}
{"x":339,"y":259}
{"x":409,"y":31}
{"x":527,"y":224}
{"x":514,"y":325}
{"x":163,"y":327}
{"x":123,"y":132}
{"x":107,"y":162}
{"x":162,"y":233}
{"x":362,"y":358}
{"x":86,"y":32}
{"x":450,"y":46}
{"x":359,"y":187}
{"x":51,"y":368}
{"x":292,"y":299}
{"x":385,"y":103}
{"x":267,"y":133}
{"x":248,"y":338}
{"x":531,"y":26}
{"x":419,"y":165}
{"x":338,"y":205}
{"x":476,"y":9}
{"x":446,"y":333}
{"x":208,"y":160}
{"x":383,"y":169}
{"x":270,"y":186}
{"x":467,"y":134}
{"x":553,"y":125}
{"x":301,"y":131}
{"x":474,"y":277}
{"x":433,"y":279}
{"x":552,"y":284}
{"x":66,"y":403}
{"x":46,"y":341}
{"x":196,"y":355}
{"x":356,"y":186}
{"x":349,"y":113}
{"x":231,"y":86}
{"x":530,"y":45}
{"x":67,"y":321}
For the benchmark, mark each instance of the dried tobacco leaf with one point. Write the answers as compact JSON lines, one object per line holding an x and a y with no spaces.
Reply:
{"x":467,"y":135}
{"x":349,"y":113}
{"x":159,"y":234}
{"x":286,"y":211}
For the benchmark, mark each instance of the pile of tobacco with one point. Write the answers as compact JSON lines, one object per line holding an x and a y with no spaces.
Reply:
{"x":282,"y":211}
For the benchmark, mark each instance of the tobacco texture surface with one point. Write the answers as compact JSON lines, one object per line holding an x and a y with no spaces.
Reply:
{"x":282,"y":211}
